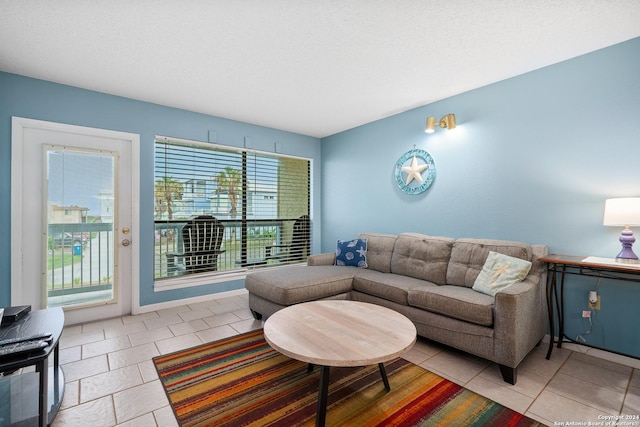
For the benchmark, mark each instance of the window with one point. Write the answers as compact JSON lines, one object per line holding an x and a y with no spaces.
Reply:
{"x":261,"y":201}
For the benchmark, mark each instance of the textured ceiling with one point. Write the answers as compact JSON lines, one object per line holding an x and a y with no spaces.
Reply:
{"x":315,"y":67}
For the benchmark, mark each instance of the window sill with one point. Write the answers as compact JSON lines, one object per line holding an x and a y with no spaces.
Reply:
{"x":190,"y":281}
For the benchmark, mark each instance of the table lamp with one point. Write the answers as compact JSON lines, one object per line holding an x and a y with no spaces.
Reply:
{"x":624,"y":212}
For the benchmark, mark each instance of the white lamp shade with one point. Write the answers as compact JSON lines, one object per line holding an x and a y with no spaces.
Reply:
{"x":622,"y":211}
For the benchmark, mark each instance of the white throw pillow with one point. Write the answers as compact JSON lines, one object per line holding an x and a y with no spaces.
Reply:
{"x":499,"y":272}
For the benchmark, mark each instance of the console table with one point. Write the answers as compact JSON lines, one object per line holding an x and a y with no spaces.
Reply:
{"x":558,"y":266}
{"x":32,"y":396}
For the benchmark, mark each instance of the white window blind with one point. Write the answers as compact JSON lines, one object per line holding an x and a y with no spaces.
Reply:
{"x":260,"y":201}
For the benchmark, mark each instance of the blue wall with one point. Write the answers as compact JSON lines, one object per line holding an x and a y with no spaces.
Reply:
{"x":41,"y":100}
{"x":533,"y":159}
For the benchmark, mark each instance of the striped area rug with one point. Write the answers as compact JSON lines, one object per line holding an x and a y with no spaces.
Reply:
{"x":242,"y":381}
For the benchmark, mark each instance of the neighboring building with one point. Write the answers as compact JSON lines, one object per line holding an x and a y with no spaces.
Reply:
{"x":67,"y":214}
{"x":106,"y":206}
{"x":199,"y":197}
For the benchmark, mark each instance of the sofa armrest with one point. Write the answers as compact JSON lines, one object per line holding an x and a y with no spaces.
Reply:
{"x":519,"y":320}
{"x":328,"y":258}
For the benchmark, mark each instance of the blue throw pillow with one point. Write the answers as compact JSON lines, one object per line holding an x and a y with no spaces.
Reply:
{"x":352,"y":253}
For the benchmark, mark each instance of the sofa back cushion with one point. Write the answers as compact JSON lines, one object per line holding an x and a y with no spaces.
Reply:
{"x":422,"y":257}
{"x":469,"y":255}
{"x":379,"y":250}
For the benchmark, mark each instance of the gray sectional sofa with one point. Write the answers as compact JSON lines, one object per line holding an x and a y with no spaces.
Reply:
{"x":428,"y":279}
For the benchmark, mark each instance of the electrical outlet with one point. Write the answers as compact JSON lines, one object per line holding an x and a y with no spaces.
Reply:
{"x":593,"y":306}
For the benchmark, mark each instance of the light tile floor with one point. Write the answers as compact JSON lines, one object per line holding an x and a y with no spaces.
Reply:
{"x":111,"y":379}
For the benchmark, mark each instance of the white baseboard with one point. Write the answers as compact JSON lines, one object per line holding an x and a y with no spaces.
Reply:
{"x":177,"y":303}
{"x":596,"y":352}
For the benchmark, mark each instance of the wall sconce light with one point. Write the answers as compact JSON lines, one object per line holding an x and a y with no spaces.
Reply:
{"x":624,"y":212}
{"x":446,"y":122}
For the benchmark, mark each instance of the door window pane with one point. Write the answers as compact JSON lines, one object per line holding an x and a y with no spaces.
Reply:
{"x":79,"y":237}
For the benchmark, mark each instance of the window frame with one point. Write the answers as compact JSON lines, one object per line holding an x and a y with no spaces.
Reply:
{"x":199,"y":279}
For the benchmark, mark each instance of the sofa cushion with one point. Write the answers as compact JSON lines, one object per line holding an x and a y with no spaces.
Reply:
{"x":300,"y":283}
{"x":469,"y":255}
{"x":499,"y":272}
{"x":392,"y":287}
{"x":379,"y":250}
{"x":421,"y":256}
{"x":454,"y":301}
{"x":352,"y":253}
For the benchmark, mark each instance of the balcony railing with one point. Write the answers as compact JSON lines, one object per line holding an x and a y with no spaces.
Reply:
{"x":253,"y":248}
{"x":79,"y":261}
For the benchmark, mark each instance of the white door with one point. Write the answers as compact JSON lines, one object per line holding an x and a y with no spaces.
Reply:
{"x":74,"y":228}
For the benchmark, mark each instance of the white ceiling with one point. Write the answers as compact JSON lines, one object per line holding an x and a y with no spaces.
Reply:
{"x":315,"y":67}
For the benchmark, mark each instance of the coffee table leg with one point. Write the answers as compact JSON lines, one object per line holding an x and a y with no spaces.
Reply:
{"x":383,"y":373}
{"x":322,"y":396}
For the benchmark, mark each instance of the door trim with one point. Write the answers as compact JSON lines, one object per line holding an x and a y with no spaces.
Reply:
{"x":18,"y":125}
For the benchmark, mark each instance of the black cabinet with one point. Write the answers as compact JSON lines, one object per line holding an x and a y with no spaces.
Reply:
{"x":32,"y":398}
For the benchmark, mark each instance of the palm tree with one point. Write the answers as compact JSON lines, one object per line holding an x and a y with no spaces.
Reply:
{"x":167,"y":190}
{"x":230,"y":181}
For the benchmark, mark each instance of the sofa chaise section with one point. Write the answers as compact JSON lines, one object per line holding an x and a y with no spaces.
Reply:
{"x":430,"y":280}
{"x":272,"y":290}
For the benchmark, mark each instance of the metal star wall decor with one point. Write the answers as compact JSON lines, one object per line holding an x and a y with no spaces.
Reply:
{"x":415,"y":171}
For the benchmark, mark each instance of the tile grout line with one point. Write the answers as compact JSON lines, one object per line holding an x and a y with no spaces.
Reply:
{"x":572,"y":398}
{"x":626,"y":392}
{"x":547,"y":384}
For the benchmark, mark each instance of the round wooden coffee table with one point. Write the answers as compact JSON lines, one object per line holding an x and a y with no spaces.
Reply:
{"x":339,"y":333}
